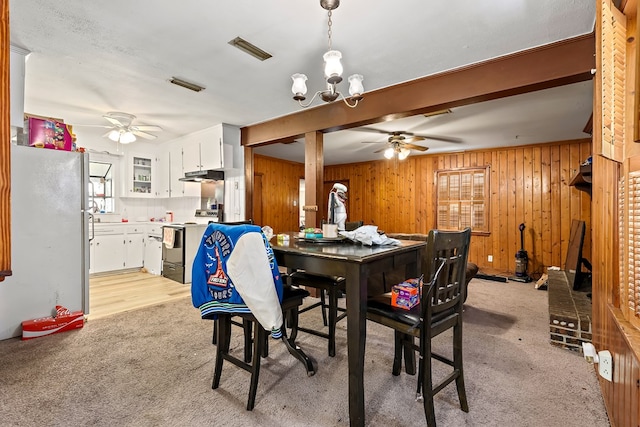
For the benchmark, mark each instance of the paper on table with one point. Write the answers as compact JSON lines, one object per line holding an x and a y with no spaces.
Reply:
{"x":368,"y":235}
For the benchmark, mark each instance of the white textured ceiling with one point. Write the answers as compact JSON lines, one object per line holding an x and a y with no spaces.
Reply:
{"x":89,"y":57}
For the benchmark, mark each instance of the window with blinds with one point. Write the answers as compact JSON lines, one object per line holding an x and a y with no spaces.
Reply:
{"x":612,"y":80}
{"x":463,"y":199}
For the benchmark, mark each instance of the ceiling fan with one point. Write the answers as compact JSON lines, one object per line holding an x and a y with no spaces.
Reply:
{"x":123,"y":130}
{"x":400,"y":143}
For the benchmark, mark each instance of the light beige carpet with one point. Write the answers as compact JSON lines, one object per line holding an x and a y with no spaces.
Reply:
{"x":153,"y":367}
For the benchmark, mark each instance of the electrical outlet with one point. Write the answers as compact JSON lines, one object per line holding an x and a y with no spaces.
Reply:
{"x":605,"y":365}
{"x":490,"y":258}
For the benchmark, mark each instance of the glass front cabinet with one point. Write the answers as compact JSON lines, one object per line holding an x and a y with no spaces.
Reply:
{"x":139,"y":176}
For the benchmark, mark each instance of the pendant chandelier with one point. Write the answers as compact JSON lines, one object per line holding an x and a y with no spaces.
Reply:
{"x":332,"y":72}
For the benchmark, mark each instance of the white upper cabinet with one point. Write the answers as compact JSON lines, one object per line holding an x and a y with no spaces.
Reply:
{"x":210,"y":148}
{"x":176,"y":187}
{"x":190,"y":154}
{"x":162,"y":175}
{"x":177,"y":169}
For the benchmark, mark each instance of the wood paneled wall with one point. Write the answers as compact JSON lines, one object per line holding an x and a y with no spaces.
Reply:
{"x":528,"y":184}
{"x":611,"y":330}
{"x":280,"y":189}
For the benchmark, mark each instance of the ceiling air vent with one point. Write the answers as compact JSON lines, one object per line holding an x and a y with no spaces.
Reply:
{"x":437,"y":113}
{"x":249,"y":48}
{"x":192,"y":86}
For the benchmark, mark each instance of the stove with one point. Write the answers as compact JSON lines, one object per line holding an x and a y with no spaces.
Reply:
{"x":179,"y":247}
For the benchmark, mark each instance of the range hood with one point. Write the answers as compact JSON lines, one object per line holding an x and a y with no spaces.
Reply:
{"x":204,"y":175}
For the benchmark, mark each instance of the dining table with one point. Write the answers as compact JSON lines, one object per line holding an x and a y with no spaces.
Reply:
{"x":355,"y":262}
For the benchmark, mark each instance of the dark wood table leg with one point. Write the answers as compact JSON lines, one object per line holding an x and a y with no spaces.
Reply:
{"x":356,"y":284}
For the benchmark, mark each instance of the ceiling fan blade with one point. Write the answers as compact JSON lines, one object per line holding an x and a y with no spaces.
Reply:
{"x":415,"y":147}
{"x":94,"y":126}
{"x":374,"y":142}
{"x":113,"y":121}
{"x":106,"y":134}
{"x":381,"y":150}
{"x":146,"y":128}
{"x":415,"y":139}
{"x":144,"y":135}
{"x":440,"y":138}
{"x":367,"y":129}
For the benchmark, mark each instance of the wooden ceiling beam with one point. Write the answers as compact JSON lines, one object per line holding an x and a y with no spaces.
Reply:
{"x":556,"y":64}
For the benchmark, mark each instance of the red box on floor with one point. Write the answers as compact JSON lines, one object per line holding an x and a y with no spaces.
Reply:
{"x":64,"y":320}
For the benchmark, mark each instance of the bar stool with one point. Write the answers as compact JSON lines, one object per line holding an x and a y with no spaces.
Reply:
{"x":292,"y":299}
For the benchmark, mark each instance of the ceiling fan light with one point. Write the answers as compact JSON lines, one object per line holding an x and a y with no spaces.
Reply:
{"x":127,"y":137}
{"x":332,"y":66}
{"x":299,"y":87}
{"x":404,"y":153}
{"x":114,"y":135}
{"x":388,"y":153}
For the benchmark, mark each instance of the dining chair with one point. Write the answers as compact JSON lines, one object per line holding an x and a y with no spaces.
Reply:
{"x":352,"y":225}
{"x":235,"y":275}
{"x":328,"y":286}
{"x":439,"y":310}
{"x":292,"y":299}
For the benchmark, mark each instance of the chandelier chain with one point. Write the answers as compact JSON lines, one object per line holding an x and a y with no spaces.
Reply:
{"x":329,"y":23}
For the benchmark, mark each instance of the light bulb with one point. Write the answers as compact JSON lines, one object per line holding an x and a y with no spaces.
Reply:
{"x":404,"y":153}
{"x":114,"y":135}
{"x":332,"y":66}
{"x":355,"y":85}
{"x":388,"y":153}
{"x":299,"y":87}
{"x":127,"y":137}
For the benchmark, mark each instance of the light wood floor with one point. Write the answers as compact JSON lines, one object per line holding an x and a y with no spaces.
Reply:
{"x":117,"y":293}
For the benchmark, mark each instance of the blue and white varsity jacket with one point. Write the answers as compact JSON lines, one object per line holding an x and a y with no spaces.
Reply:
{"x":235,"y":271}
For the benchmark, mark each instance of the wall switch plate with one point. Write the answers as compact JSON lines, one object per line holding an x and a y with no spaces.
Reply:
{"x":490,"y":258}
{"x":605,"y":365}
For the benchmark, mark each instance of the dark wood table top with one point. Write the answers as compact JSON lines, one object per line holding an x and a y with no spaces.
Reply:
{"x":345,"y":249}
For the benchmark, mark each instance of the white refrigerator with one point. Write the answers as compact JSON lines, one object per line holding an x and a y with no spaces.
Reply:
{"x":49,"y":236}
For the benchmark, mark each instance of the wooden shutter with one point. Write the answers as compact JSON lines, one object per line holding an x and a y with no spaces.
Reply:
{"x":612,"y":81}
{"x":622,"y":246}
{"x":629,"y":200}
{"x":463,"y":199}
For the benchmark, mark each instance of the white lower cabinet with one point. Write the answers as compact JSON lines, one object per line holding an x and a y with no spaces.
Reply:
{"x":108,"y":251}
{"x":134,"y":247}
{"x":115,"y":247}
